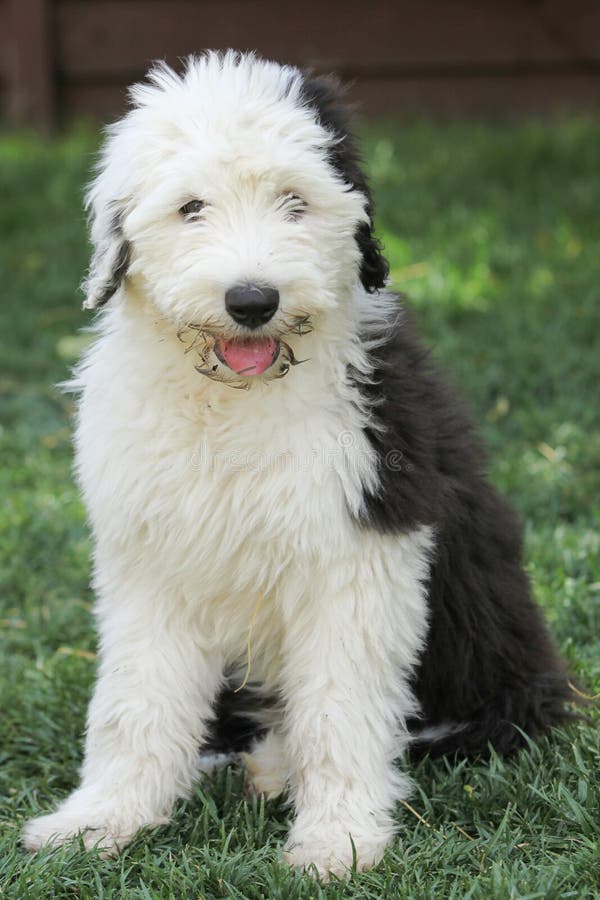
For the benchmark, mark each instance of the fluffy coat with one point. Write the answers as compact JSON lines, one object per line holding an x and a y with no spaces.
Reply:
{"x":326,"y":535}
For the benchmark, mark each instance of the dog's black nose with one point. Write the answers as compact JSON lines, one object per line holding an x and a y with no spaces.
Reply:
{"x":251,"y":305}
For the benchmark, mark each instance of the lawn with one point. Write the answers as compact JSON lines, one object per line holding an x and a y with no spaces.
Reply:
{"x":494,"y":233}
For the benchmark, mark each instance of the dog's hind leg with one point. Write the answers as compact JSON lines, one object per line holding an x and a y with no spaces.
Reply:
{"x":244,"y":728}
{"x":152,"y":700}
{"x":509,"y":719}
{"x":267,"y":768}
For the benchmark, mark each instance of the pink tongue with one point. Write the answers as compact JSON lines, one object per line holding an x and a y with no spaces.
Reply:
{"x":251,"y":357}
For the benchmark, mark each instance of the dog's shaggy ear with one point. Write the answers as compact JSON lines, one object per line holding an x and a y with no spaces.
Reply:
{"x":108,"y":267}
{"x":324,"y":96}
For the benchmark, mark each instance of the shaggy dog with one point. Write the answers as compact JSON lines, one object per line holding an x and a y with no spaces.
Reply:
{"x":313,"y":568}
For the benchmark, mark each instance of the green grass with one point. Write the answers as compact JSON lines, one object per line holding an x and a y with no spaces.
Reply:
{"x":494,"y":232}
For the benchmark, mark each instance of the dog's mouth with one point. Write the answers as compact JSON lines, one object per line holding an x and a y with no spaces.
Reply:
{"x":251,"y":356}
{"x":236,"y":361}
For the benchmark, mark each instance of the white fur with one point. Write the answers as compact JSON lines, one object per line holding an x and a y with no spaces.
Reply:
{"x":211,"y":506}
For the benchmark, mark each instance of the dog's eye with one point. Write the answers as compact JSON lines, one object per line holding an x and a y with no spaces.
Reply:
{"x":192,"y":209}
{"x":293,"y":206}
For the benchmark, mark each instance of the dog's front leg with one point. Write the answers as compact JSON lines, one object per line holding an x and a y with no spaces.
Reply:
{"x":352,"y":637}
{"x":146,"y":721}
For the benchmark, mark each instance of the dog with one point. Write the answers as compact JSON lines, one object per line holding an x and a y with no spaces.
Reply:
{"x":297,"y":554}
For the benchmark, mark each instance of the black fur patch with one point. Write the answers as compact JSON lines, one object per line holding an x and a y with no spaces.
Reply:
{"x":236,"y":721}
{"x":323,"y":95}
{"x":489,"y":661}
{"x":118,"y":273}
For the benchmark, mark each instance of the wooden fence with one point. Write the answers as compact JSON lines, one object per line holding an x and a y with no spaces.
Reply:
{"x":61,"y":59}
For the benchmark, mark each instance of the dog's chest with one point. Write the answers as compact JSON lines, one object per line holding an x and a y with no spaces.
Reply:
{"x":275,"y":473}
{"x":232,"y":489}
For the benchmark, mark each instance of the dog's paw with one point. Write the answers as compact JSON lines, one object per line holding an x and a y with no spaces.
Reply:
{"x":328,"y":850}
{"x":264,"y":782}
{"x":209,"y":763}
{"x":59,"y":828}
{"x":101,"y":826}
{"x":266,"y":772}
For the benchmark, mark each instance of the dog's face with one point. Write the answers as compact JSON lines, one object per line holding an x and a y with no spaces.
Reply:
{"x":232,"y":201}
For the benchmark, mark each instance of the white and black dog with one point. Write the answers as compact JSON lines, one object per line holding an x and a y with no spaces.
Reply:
{"x":325,"y":538}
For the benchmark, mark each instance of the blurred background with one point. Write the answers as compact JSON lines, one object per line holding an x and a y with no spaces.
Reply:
{"x":480,"y":125}
{"x":63,"y":59}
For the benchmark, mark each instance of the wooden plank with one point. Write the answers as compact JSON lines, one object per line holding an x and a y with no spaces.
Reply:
{"x":4,"y":37}
{"x":30,"y":78}
{"x":479,"y":97}
{"x":4,"y":59}
{"x":87,"y":101}
{"x":511,"y":97}
{"x":110,"y":38}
